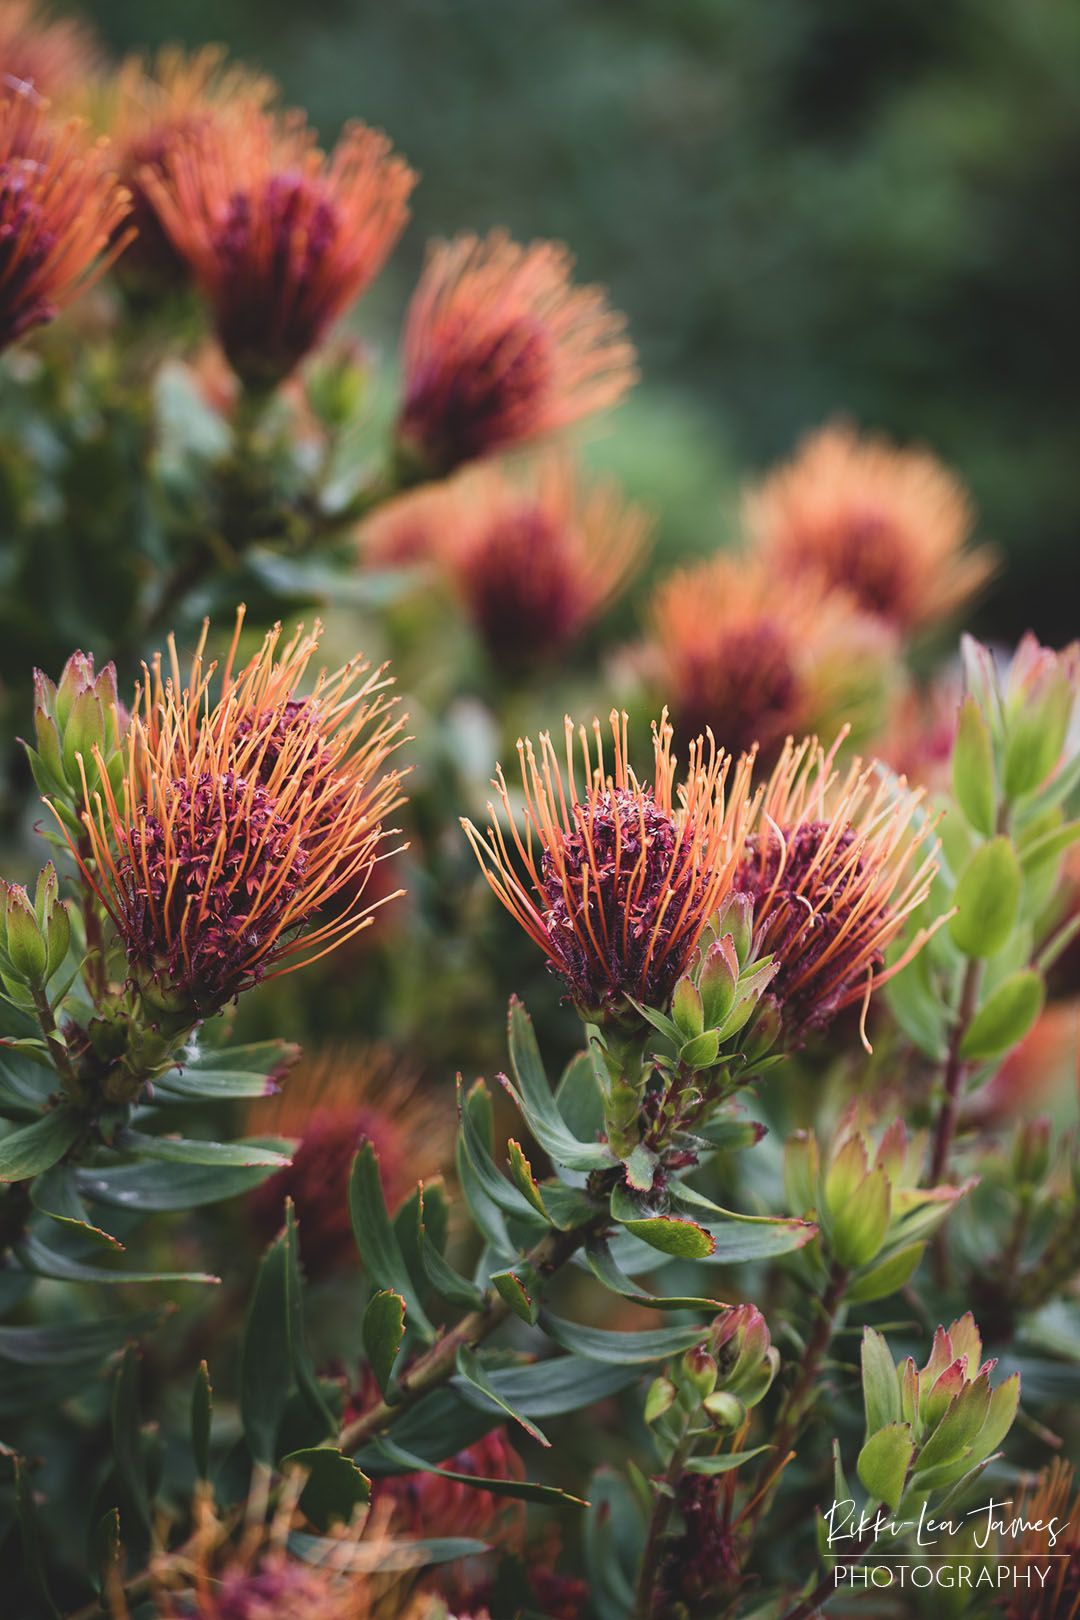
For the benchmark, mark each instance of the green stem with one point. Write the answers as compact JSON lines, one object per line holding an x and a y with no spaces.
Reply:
{"x":58,"y":1052}
{"x":955,"y":1069}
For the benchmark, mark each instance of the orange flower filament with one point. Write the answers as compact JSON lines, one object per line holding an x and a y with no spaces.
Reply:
{"x":237,"y":820}
{"x":617,"y":881}
{"x":54,"y":55}
{"x":501,"y":348}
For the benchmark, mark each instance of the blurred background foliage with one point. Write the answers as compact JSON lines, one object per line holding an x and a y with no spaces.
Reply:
{"x":803,"y":209}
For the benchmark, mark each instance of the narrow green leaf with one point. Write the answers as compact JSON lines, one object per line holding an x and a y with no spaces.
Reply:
{"x":335,"y":1487}
{"x":470,"y":1369}
{"x":265,"y":1360}
{"x":377,"y":1556}
{"x":1005,"y":1017}
{"x":105,"y":1549}
{"x":202,"y":1407}
{"x":56,"y":1194}
{"x":181,"y":1150}
{"x":447,"y":1282}
{"x":579,"y":1099}
{"x":127,"y":1442}
{"x":157,"y":1186}
{"x":542,"y":1389}
{"x":627,"y":1349}
{"x":521,"y":1490}
{"x":987,"y":897}
{"x":724,"y":1463}
{"x":224,"y":1075}
{"x":379,"y":1247}
{"x":510,"y":1286}
{"x":496,"y":1186}
{"x":973,"y":769}
{"x":600,"y":1262}
{"x":673,"y":1234}
{"x":881,"y":1392}
{"x":524,"y":1179}
{"x":37,"y":1256}
{"x":33,"y":1148}
{"x":886,"y":1276}
{"x":318,"y":1419}
{"x":537,"y":1104}
{"x":383,"y":1331}
{"x":59,"y":1344}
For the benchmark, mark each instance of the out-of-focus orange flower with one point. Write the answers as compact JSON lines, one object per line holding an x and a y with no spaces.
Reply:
{"x":616,"y":879}
{"x":1047,"y":1521}
{"x":155,"y":106}
{"x":279,"y":237}
{"x":760,"y":659}
{"x":917,"y":741}
{"x":886,"y":524}
{"x":59,"y":207}
{"x":54,"y":55}
{"x":331,"y":1104}
{"x":535,"y":559}
{"x":835,"y":864}
{"x":501,"y":348}
{"x":406,"y":531}
{"x":236,"y":821}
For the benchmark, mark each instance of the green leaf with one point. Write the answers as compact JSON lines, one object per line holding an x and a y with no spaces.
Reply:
{"x":181,"y":1150}
{"x":30,"y":1535}
{"x":494,"y":1185}
{"x":34,"y":1148}
{"x":266,"y":1373}
{"x":524,"y":1179}
{"x":470,"y":1369}
{"x":105,"y":1549}
{"x":510,"y":1286}
{"x":318,"y":1418}
{"x":335,"y":1486}
{"x":533,"y":1096}
{"x":202,"y":1408}
{"x":56,"y":1194}
{"x":62,"y":1343}
{"x":881,"y":1392}
{"x":447,"y":1282}
{"x":1005,"y":1017}
{"x":383,"y":1331}
{"x":883,"y":1463}
{"x":1048,"y":847}
{"x":226,"y":1075}
{"x":599,"y":1259}
{"x":987,"y":897}
{"x":521,"y":1490}
{"x":724,"y":1463}
{"x":672,"y":1234}
{"x":621,"y":1349}
{"x":128,"y":1457}
{"x":701,"y":1052}
{"x":579,"y":1099}
{"x":918,"y":1010}
{"x":160,"y":1186}
{"x":541,"y":1389}
{"x":37,"y":1256}
{"x":377,"y":1556}
{"x":376,"y":1240}
{"x":973,"y":769}
{"x":738,"y":1238}
{"x":887,"y":1276}
{"x":25,"y":1084}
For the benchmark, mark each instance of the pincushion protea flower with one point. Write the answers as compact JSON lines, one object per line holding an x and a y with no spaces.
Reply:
{"x":54,"y":55}
{"x":59,"y":207}
{"x":500,"y":348}
{"x":835,"y":864}
{"x":758,"y":660}
{"x":280,"y":238}
{"x":154,"y":107}
{"x":235,"y":821}
{"x":535,"y":560}
{"x":886,"y":524}
{"x":332,"y":1104}
{"x":1047,"y":1519}
{"x":615,"y":879}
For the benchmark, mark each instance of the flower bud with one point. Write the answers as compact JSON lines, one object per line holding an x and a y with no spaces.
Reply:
{"x":699,"y":1371}
{"x":24,"y":943}
{"x":81,"y":717}
{"x":725,"y":1409}
{"x":660,"y":1399}
{"x":764,"y":1030}
{"x":1031,"y":1152}
{"x":735,"y":920}
{"x":719,"y":981}
{"x":1040,"y":696}
{"x":745,"y":1358}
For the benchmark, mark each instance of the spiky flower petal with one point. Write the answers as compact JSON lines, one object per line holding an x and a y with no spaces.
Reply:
{"x":59,"y":207}
{"x":237,"y":820}
{"x":835,"y":864}
{"x":886,"y":524}
{"x":615,"y":878}
{"x":501,"y":348}
{"x":280,"y":238}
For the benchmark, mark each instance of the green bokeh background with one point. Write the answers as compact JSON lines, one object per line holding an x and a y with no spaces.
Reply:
{"x":804,"y":209}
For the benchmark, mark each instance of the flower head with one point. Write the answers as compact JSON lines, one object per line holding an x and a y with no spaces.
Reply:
{"x":156,"y":106}
{"x":886,"y":524}
{"x":758,"y":661}
{"x":54,"y":55}
{"x":235,"y":821}
{"x":280,"y":238}
{"x":1045,"y":1519}
{"x":501,"y":348}
{"x":59,"y":207}
{"x":834,"y":864}
{"x":535,"y":561}
{"x":615,"y":879}
{"x":332,"y":1104}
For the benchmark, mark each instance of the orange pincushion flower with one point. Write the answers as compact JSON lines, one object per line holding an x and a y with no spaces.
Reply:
{"x":59,"y":206}
{"x":501,"y":348}
{"x":757,"y":661}
{"x":332,"y":1104}
{"x":280,"y":238}
{"x":616,"y":881}
{"x":886,"y":524}
{"x":536,"y":560}
{"x":236,"y":821}
{"x":835,"y":864}
{"x":155,"y":107}
{"x":54,"y":55}
{"x":1047,"y":1521}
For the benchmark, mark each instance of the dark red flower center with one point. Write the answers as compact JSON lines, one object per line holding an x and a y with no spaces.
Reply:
{"x":524,"y":588}
{"x":26,"y":242}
